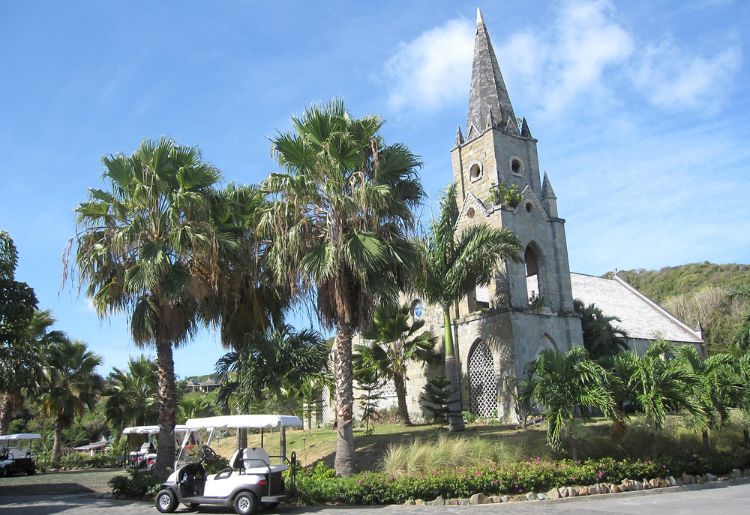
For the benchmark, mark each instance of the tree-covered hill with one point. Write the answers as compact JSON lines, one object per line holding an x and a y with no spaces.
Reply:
{"x":699,"y":293}
{"x":686,"y":279}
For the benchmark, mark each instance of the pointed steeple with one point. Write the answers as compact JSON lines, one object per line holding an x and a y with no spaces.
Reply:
{"x":547,"y":191}
{"x":488,"y":91}
{"x":459,"y":137}
{"x":525,"y":132}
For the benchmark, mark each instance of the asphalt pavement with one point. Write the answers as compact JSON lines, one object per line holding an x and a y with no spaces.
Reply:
{"x":729,"y":497}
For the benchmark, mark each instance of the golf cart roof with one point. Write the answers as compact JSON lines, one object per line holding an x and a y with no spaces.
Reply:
{"x":149,"y":430}
{"x":21,"y":436}
{"x":245,"y":422}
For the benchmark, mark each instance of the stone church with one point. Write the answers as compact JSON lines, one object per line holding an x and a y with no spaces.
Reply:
{"x":527,"y":307}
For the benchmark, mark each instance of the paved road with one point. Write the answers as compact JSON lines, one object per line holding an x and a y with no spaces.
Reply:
{"x":726,"y":497}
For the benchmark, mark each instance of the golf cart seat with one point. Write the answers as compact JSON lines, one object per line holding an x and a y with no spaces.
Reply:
{"x":254,"y":461}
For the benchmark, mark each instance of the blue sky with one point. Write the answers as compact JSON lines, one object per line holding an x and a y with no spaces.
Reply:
{"x":641,"y":111}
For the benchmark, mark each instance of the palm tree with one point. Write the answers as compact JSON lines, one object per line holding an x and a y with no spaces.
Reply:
{"x":743,"y":401}
{"x":70,"y":385}
{"x":717,"y":391}
{"x":275,"y":363}
{"x":22,"y":367}
{"x":340,"y":216}
{"x":394,"y":343}
{"x":660,"y":385}
{"x":452,"y":265}
{"x":560,"y":382}
{"x":131,"y":394}
{"x":196,"y":405}
{"x":601,"y":337}
{"x":147,"y":247}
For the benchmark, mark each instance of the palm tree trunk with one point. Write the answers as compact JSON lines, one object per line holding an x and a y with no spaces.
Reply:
{"x":6,"y":411}
{"x":57,"y":443}
{"x":455,"y":419}
{"x":403,"y":412}
{"x":706,"y":443}
{"x":167,"y":399}
{"x":241,"y":433}
{"x":573,"y":449}
{"x":653,"y":445}
{"x":344,"y":462}
{"x":746,"y":437}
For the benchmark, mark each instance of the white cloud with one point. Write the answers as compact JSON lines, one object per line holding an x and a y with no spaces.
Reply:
{"x":584,"y":60}
{"x":673,"y":79}
{"x":433,"y":69}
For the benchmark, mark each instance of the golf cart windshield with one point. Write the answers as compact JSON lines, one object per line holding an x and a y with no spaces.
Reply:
{"x":189,"y":452}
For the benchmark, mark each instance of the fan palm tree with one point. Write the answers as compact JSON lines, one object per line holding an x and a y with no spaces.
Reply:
{"x":452,"y":265}
{"x":560,"y":382}
{"x":743,"y":401}
{"x":601,"y":337}
{"x":70,"y":385}
{"x":661,"y":384}
{"x":341,"y":216}
{"x":146,"y":246}
{"x":131,"y":394}
{"x":717,"y":391}
{"x":394,"y":342}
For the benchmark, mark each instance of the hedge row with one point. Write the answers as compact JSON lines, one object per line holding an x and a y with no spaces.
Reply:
{"x":320,"y":486}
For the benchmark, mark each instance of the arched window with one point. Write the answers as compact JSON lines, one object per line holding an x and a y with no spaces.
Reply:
{"x":483,"y":382}
{"x":532,"y":264}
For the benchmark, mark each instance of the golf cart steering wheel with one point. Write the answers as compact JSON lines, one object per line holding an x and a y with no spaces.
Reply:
{"x":208,"y":454}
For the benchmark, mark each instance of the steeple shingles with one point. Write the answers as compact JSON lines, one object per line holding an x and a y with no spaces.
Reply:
{"x":489,"y":96}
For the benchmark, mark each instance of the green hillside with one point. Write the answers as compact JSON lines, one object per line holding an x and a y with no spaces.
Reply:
{"x":698,"y":293}
{"x":686,"y":279}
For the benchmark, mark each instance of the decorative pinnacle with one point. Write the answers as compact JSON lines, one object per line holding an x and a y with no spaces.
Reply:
{"x":480,"y":20}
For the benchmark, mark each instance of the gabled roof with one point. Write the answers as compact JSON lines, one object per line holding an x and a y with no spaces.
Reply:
{"x":640,"y":317}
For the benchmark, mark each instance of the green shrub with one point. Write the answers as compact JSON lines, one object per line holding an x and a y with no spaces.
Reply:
{"x":320,"y":486}
{"x":136,"y":485}
{"x":506,"y":195}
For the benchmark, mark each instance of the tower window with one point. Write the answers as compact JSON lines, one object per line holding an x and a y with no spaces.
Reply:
{"x":475,"y":172}
{"x":516,"y":166}
{"x":529,"y":207}
{"x":470,"y":212}
{"x":533,"y":284}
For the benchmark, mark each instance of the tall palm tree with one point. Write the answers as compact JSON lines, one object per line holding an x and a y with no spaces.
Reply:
{"x":660,"y":384}
{"x":452,"y":265}
{"x":70,"y":385}
{"x":561,"y":382}
{"x":601,"y":337}
{"x":131,"y":394}
{"x":394,"y":342}
{"x":341,"y":216}
{"x":146,"y":246}
{"x":717,"y":390}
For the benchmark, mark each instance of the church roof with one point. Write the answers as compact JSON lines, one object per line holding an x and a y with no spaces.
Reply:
{"x":640,"y":317}
{"x":489,"y":98}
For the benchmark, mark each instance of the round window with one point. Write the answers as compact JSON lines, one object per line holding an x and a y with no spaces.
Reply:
{"x":529,"y":207}
{"x":516,"y":166}
{"x":417,"y":310}
{"x":470,"y":212}
{"x":475,"y":172}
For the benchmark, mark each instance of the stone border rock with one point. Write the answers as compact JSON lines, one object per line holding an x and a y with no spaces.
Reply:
{"x":627,"y":485}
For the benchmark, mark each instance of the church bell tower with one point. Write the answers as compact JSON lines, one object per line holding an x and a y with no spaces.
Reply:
{"x":528,"y":306}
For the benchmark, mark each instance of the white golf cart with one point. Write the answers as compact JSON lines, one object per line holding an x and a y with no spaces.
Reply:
{"x":145,"y":456}
{"x":16,"y":454}
{"x":250,"y":481}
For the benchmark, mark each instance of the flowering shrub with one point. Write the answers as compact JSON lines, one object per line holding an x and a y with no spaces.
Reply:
{"x":320,"y":486}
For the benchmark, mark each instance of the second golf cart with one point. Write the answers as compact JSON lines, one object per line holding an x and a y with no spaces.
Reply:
{"x":16,"y":454}
{"x":250,"y":481}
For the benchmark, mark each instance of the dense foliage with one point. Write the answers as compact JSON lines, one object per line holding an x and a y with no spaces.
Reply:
{"x":319,"y":485}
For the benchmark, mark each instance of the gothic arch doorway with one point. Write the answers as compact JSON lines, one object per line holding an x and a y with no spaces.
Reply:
{"x":482,"y":380}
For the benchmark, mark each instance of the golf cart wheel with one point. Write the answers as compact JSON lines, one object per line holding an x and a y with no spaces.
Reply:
{"x":245,"y":503}
{"x":165,"y":501}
